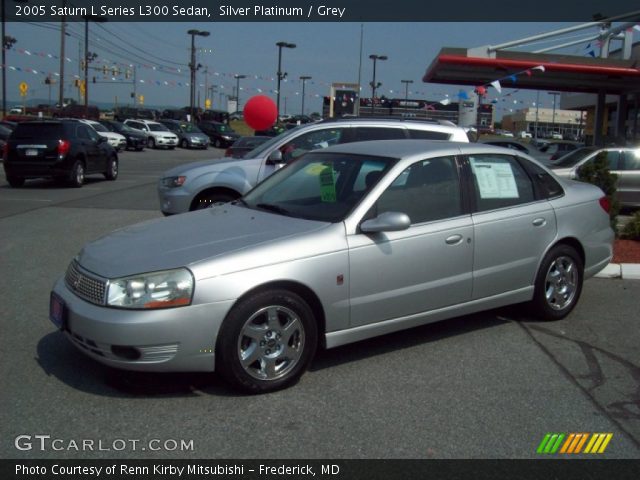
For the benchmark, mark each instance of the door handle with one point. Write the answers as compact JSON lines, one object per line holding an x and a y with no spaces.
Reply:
{"x":453,"y":239}
{"x":539,"y":222}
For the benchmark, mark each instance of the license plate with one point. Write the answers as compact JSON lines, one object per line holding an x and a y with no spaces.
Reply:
{"x":31,"y":152}
{"x":57,"y":311}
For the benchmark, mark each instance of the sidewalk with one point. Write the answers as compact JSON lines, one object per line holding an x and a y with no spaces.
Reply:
{"x":625,"y":271}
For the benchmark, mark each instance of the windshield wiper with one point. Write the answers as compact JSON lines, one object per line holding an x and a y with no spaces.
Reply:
{"x":272,"y":208}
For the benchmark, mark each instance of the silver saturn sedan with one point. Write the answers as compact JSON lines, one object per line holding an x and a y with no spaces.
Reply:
{"x":343,"y":244}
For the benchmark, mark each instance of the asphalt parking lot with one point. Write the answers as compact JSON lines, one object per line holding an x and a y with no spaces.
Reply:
{"x":484,"y":386}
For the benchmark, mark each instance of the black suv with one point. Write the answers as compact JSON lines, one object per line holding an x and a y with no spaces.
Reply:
{"x":60,"y":149}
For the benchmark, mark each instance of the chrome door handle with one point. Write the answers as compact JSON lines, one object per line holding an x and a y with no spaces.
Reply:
{"x":539,"y":222}
{"x":453,"y":239}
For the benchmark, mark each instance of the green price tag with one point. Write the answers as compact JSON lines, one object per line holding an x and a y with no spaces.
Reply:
{"x":327,"y":186}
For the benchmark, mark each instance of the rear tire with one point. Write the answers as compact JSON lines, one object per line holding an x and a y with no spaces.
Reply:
{"x":558,"y":283}
{"x":76,"y":177}
{"x":266,"y":342}
{"x":15,"y":182}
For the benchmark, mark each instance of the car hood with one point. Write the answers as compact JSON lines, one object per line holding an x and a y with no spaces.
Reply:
{"x":187,"y":239}
{"x":111,"y":135}
{"x":195,"y":135}
{"x":205,"y":166}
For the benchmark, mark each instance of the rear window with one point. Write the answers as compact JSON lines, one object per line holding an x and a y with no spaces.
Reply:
{"x":38,"y":130}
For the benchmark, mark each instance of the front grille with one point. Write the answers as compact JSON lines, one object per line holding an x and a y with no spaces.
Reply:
{"x":90,"y":288}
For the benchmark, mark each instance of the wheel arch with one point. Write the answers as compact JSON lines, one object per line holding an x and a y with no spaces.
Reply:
{"x":303,"y":291}
{"x":212,"y":190}
{"x":572,"y":242}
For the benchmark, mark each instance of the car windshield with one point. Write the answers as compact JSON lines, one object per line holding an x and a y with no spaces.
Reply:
{"x":98,"y":127}
{"x":222,"y":128}
{"x":572,"y":158}
{"x":319,"y":186}
{"x":121,"y":127}
{"x":256,"y":152}
{"x":189,"y":128}
{"x":157,"y":127}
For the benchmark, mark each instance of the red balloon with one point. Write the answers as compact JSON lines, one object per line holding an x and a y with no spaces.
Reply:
{"x":260,"y":112}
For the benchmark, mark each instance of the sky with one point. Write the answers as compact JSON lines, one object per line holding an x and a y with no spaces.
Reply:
{"x":328,"y":52}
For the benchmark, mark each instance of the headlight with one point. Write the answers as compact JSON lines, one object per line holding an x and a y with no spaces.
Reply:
{"x":165,"y":289}
{"x":226,"y":137}
{"x":173,"y":182}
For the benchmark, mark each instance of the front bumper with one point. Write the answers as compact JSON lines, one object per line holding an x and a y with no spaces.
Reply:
{"x":168,"y":340}
{"x":166,"y":141}
{"x":174,"y":200}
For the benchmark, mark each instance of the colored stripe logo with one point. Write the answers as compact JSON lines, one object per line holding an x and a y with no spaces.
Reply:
{"x":574,"y":443}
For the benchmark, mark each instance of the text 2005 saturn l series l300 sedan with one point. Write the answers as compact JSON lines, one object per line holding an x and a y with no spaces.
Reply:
{"x":344,"y":244}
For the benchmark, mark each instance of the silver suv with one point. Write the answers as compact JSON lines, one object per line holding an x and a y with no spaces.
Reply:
{"x":199,"y":185}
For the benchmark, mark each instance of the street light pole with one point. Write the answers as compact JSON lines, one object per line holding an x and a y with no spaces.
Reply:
{"x":238,"y":77}
{"x":553,"y":116}
{"x":280,"y":74}
{"x":193,"y":68}
{"x":304,"y":79}
{"x":375,"y":85}
{"x":88,"y":58}
{"x":406,"y":91}
{"x":6,"y":45}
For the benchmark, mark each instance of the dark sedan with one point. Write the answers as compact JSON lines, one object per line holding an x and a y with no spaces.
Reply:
{"x":135,"y":139}
{"x":221,"y":134}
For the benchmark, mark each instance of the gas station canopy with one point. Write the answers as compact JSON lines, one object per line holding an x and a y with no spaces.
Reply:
{"x":568,"y":73}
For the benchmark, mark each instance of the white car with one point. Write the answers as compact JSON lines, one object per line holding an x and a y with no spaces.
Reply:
{"x":116,"y":140}
{"x":158,"y":135}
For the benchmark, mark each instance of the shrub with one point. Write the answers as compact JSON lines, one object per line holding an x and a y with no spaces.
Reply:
{"x":632,"y":228}
{"x":597,"y":173}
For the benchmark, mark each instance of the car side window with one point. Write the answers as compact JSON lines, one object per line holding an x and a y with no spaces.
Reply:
{"x":428,"y":135}
{"x":548,"y":187}
{"x":363,"y":134}
{"x":83,"y":132}
{"x":499,"y":181}
{"x":93,"y":135}
{"x":310,"y":141}
{"x":612,"y":157}
{"x":426,"y":191}
{"x":631,"y":160}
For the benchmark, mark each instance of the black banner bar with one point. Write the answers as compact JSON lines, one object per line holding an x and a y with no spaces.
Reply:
{"x":320,"y":469}
{"x":317,"y":10}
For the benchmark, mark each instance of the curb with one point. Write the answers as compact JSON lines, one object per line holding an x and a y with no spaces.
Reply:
{"x":625,"y":271}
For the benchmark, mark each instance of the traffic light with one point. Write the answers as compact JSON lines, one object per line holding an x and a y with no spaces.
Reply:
{"x":81,"y":64}
{"x":127,"y":74}
{"x":104,"y":69}
{"x":94,"y":79}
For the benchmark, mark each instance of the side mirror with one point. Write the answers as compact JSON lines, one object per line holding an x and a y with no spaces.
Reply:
{"x":102,"y":139}
{"x":275,"y":158}
{"x":386,"y":222}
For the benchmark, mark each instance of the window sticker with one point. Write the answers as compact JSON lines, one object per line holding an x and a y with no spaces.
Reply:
{"x":327,"y":186}
{"x":495,"y":180}
{"x":315,"y":169}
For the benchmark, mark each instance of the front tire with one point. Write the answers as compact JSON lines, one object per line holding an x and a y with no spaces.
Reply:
{"x":112,"y":169}
{"x":208,"y":200}
{"x":151,"y":143}
{"x":558,"y":283}
{"x":184,"y":144}
{"x":217,"y":143}
{"x":266,"y":342}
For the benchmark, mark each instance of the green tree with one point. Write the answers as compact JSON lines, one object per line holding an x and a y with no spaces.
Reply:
{"x":597,"y":173}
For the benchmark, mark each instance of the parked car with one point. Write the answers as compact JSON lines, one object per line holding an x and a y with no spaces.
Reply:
{"x":623,"y":161}
{"x":214,"y":116}
{"x":237,"y":115}
{"x":120,"y":114}
{"x":91,"y":112}
{"x":65,"y":150}
{"x":8,"y":124}
{"x":116,"y":140}
{"x":346,"y":243}
{"x":157,"y":134}
{"x":189,"y":136}
{"x":244,"y":145}
{"x":199,"y":185}
{"x":524,"y":134}
{"x":136,"y":140}
{"x":558,"y":149}
{"x":221,"y":135}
